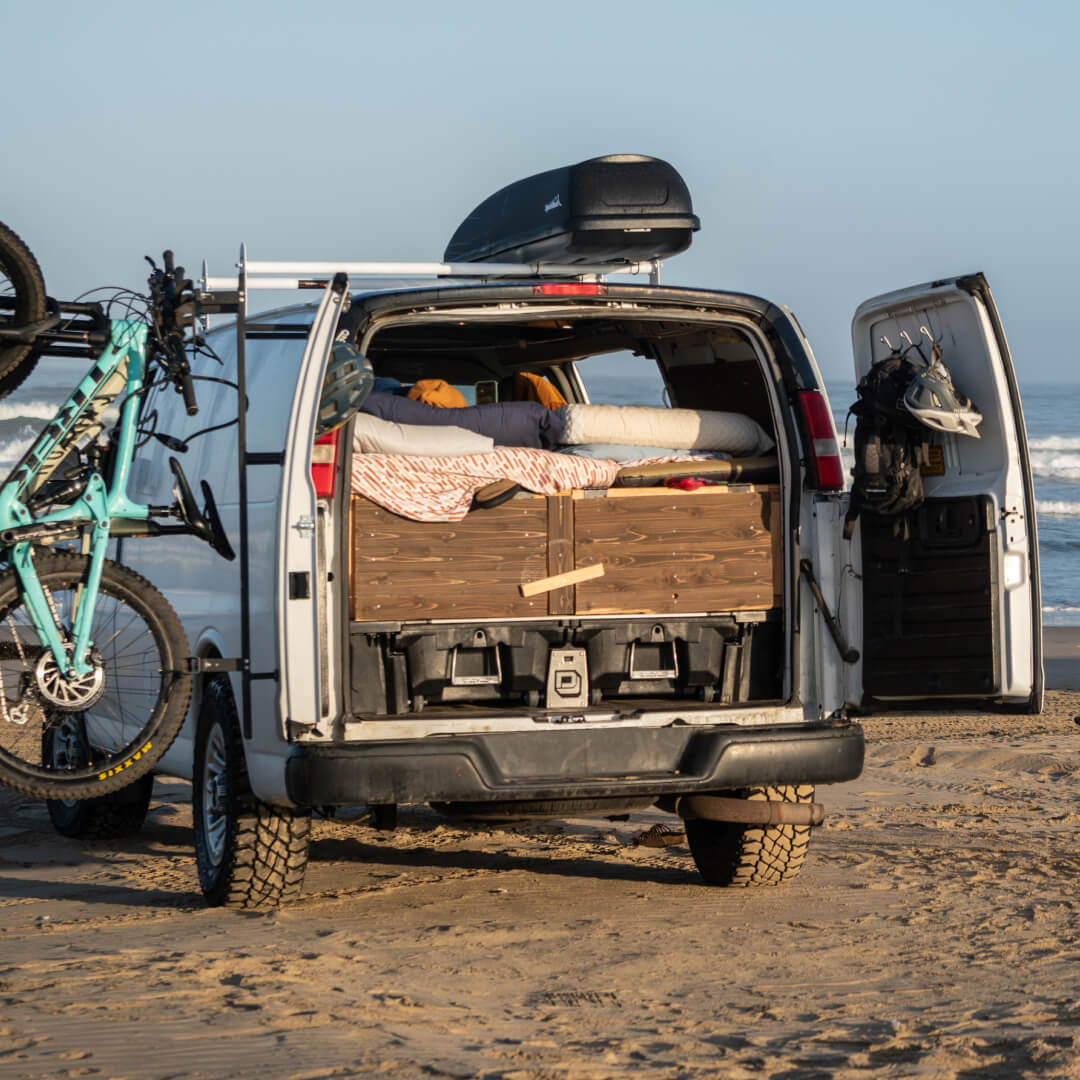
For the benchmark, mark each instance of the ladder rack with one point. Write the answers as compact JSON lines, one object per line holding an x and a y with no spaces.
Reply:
{"x":256,"y":275}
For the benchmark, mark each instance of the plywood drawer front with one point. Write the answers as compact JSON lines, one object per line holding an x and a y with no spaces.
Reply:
{"x":710,"y":550}
{"x":467,"y":569}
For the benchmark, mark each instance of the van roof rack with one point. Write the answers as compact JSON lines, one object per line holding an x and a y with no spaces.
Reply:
{"x":261,"y":275}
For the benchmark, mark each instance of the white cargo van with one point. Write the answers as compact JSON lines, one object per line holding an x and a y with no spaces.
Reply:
{"x":597,"y":649}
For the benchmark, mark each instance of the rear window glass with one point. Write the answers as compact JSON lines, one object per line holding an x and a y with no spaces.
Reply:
{"x":622,"y":379}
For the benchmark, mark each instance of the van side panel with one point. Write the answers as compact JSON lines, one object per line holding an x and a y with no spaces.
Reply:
{"x":202,"y":587}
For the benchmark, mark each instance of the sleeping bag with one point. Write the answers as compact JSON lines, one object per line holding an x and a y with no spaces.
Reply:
{"x":509,"y":423}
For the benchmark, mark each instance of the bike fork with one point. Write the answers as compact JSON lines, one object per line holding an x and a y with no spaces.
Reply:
{"x":39,"y":604}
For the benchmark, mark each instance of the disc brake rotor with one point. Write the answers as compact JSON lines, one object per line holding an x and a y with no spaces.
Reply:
{"x":69,"y":694}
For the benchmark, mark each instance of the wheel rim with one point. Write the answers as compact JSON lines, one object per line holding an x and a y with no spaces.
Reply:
{"x":65,"y":749}
{"x":215,"y":820}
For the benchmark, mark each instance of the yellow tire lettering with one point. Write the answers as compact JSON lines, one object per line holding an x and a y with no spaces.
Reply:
{"x":125,"y":764}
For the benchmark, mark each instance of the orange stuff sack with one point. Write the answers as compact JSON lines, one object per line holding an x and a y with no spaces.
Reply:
{"x":530,"y":387}
{"x":437,"y":392}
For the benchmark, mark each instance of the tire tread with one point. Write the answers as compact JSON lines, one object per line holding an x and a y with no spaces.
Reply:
{"x":266,"y":847}
{"x":21,"y":268}
{"x":742,"y":856}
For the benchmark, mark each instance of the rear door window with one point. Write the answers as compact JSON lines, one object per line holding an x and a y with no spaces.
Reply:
{"x":622,"y":379}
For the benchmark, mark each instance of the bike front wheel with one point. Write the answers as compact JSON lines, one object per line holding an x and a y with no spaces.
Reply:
{"x":22,"y":300}
{"x":129,"y":707}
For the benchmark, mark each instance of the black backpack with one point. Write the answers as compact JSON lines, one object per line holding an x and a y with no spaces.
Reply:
{"x":890,"y":446}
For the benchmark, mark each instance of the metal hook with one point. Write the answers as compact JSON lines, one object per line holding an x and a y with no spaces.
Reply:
{"x":935,"y":352}
{"x":885,"y":341}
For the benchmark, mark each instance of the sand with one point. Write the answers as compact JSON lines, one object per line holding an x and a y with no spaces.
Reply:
{"x":935,"y":932}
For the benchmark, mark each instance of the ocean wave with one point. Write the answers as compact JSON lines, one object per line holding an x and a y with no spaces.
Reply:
{"x":27,"y":410}
{"x":1057,"y":508}
{"x":12,"y":450}
{"x":1055,"y":464}
{"x":1055,"y":442}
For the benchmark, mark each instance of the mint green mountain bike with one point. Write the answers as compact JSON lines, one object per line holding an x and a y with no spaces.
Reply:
{"x":94,"y":680}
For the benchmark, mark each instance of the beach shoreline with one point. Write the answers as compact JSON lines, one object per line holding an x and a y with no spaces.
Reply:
{"x":933,"y":932}
{"x":1061,"y":657}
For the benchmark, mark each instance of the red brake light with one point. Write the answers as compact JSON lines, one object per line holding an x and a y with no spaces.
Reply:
{"x":324,"y":464}
{"x":570,"y":288}
{"x":824,"y":462}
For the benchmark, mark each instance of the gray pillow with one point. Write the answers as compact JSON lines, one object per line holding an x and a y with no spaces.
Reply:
{"x":374,"y":436}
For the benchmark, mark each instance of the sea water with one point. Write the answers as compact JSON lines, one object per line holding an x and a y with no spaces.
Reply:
{"x":1052,"y":417}
{"x":1052,"y":413}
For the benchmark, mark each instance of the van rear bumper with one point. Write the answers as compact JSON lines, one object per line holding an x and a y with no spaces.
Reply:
{"x":571,"y":764}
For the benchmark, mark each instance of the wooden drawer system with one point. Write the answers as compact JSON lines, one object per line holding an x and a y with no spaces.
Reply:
{"x":664,"y":552}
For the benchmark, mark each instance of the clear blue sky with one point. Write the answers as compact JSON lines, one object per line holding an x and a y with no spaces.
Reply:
{"x":834,"y":150}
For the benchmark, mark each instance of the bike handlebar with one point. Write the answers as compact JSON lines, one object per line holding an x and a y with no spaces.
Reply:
{"x":170,"y":291}
{"x":187,"y":388}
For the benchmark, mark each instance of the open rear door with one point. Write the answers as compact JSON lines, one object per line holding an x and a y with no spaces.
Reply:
{"x":952,"y":610}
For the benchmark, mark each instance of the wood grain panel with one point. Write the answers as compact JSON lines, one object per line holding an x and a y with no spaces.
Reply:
{"x":677,"y":552}
{"x":468,"y":569}
{"x":560,"y":525}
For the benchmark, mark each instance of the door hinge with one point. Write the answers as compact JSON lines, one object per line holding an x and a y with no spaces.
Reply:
{"x":305,"y":526}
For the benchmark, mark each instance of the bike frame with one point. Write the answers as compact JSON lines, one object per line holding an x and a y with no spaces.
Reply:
{"x":101,"y":509}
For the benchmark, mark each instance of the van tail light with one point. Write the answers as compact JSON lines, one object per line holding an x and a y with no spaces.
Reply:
{"x":570,"y":288}
{"x":324,"y":464}
{"x":825,"y":466}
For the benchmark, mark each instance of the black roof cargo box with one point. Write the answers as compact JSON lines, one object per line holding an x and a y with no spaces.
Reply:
{"x":607,"y":209}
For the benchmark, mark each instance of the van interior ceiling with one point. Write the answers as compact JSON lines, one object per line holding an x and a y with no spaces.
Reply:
{"x":703,"y":368}
{"x":436,"y":620}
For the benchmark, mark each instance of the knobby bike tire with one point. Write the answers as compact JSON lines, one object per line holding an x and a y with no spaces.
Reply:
{"x":141,"y":697}
{"x":22,"y":282}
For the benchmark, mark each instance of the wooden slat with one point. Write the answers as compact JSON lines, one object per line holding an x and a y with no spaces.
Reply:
{"x":446,"y":570}
{"x":560,"y":557}
{"x":559,"y":581}
{"x":673,"y":553}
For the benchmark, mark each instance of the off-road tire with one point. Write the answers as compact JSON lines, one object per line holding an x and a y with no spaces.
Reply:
{"x":110,"y":817}
{"x":249,"y":854}
{"x":733,"y":854}
{"x":21,"y":279}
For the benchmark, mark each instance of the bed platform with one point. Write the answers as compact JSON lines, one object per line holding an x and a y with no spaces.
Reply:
{"x":663,"y":552}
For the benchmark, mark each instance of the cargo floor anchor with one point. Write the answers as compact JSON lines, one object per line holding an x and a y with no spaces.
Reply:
{"x":568,"y":678}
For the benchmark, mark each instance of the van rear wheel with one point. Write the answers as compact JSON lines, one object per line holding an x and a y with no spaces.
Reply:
{"x":249,"y":854}
{"x":107,"y":817}
{"x":733,"y":854}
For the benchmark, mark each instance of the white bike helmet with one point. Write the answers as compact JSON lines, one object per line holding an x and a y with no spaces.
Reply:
{"x":933,"y":400}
